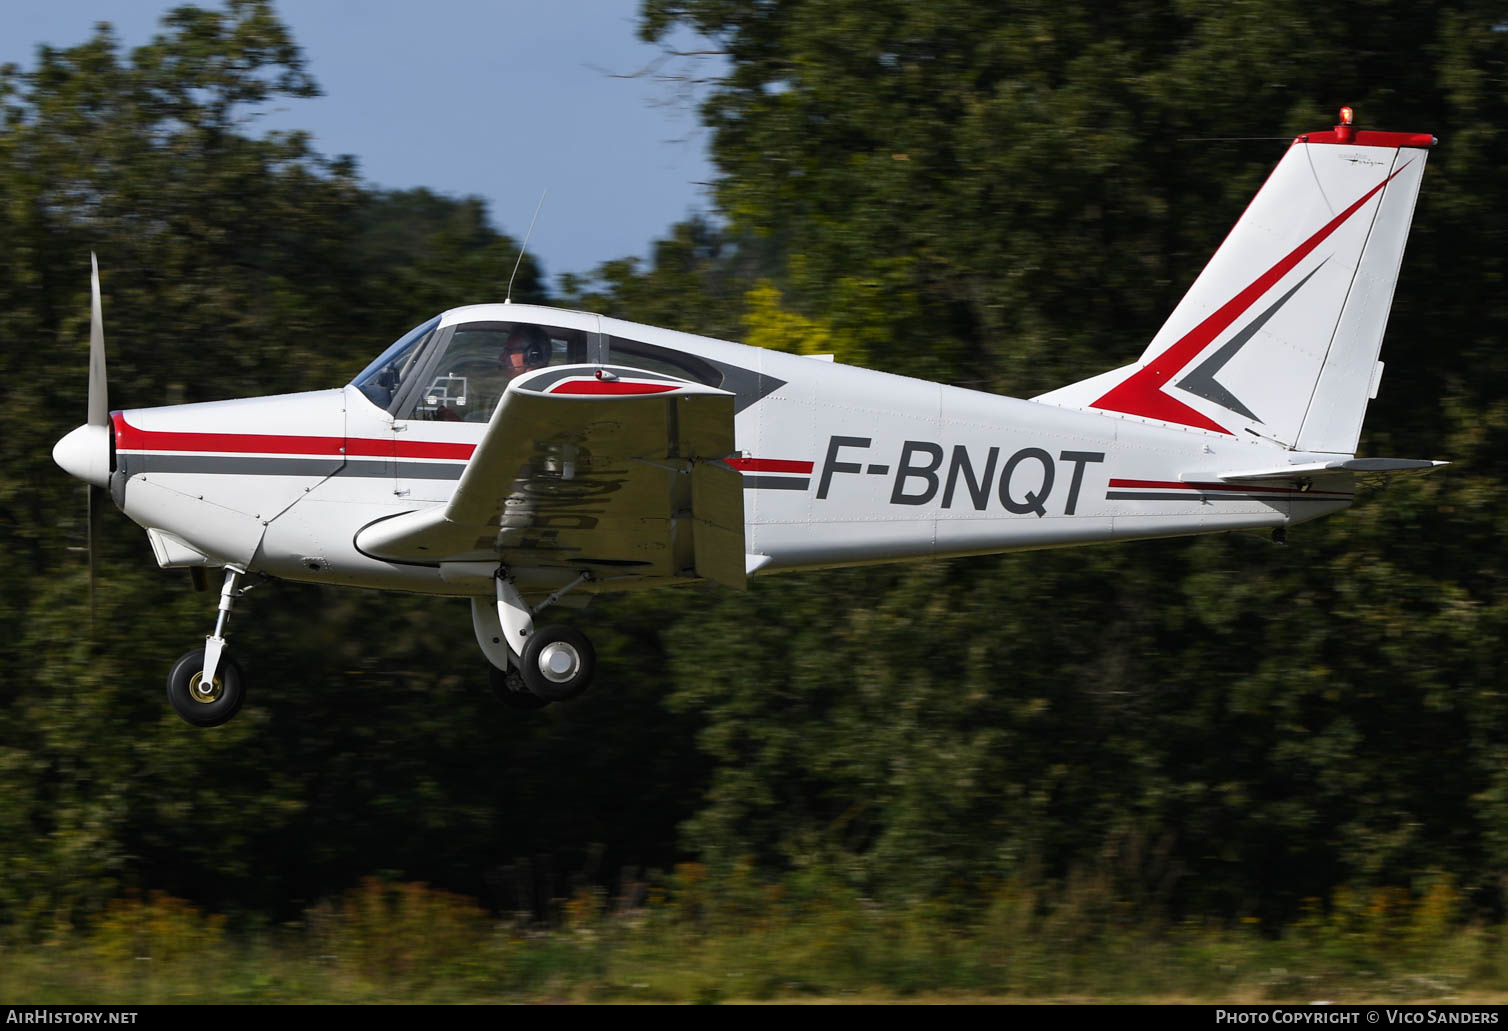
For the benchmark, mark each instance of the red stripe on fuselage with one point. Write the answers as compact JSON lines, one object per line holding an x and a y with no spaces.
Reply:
{"x":769,"y":465}
{"x":131,"y":438}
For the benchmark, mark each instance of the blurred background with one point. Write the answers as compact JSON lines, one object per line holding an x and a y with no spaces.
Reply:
{"x":1216,"y":734}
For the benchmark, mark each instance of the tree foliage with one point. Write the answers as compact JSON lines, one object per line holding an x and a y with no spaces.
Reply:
{"x":1007,"y":197}
{"x":1012,"y":197}
{"x":237,"y":263}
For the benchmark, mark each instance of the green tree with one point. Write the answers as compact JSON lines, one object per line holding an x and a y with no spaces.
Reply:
{"x":236,"y":263}
{"x":1012,"y":197}
{"x":694,"y":282}
{"x":419,"y":253}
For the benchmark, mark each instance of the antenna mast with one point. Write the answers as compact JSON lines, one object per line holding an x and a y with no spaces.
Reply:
{"x":508,"y":299}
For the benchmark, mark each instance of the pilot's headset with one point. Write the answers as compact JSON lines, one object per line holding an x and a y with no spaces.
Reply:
{"x":532,"y":343}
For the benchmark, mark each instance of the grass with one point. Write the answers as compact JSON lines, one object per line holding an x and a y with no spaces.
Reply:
{"x":734,"y":939}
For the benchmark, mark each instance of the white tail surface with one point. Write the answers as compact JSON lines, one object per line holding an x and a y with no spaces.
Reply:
{"x":1277,"y":339}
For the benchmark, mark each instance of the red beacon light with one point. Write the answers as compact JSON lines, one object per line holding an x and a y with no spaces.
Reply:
{"x":1344,"y":133}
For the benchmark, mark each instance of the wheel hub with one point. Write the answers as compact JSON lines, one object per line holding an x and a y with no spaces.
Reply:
{"x":558,"y":662}
{"x":200,"y":692}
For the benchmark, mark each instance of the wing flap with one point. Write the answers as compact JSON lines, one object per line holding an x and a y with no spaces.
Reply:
{"x":717,"y":504}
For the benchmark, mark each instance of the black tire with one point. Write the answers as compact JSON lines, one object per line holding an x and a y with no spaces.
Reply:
{"x":509,"y":688}
{"x":574,"y":647}
{"x":212,"y":708}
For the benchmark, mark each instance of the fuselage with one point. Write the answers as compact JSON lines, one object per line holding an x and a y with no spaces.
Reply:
{"x":841,"y":466}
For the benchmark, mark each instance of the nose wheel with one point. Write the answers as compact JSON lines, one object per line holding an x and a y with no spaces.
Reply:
{"x":205,"y":686}
{"x":205,"y":703}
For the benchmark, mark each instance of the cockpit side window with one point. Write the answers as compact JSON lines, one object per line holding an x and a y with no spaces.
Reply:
{"x":380,"y":380}
{"x":465,"y":381}
{"x":639,"y":355}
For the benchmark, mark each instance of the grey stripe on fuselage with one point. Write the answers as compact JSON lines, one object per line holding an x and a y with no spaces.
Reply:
{"x":406,"y":470}
{"x":242,"y":465}
{"x":776,"y":483}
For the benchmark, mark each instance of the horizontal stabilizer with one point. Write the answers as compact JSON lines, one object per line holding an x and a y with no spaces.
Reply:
{"x":1306,"y":470}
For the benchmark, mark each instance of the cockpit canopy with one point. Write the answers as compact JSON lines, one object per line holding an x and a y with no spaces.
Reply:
{"x":456,"y":366}
{"x":458,"y":373}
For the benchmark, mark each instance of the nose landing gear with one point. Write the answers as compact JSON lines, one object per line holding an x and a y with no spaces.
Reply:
{"x":205,"y":685}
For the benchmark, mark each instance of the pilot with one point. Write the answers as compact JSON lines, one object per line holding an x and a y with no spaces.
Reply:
{"x":526,"y":349}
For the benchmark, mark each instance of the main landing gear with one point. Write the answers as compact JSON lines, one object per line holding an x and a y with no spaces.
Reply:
{"x":205,"y":686}
{"x":530,"y":668}
{"x":508,"y":687}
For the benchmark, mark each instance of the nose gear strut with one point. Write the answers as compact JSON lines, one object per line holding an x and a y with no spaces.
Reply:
{"x":205,"y":686}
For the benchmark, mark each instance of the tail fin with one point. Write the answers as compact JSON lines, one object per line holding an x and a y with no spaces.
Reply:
{"x":1278,"y":337}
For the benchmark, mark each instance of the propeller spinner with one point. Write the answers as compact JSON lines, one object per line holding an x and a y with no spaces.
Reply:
{"x":85,"y":452}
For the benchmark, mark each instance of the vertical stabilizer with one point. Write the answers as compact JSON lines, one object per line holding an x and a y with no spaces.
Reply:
{"x":1277,"y":339}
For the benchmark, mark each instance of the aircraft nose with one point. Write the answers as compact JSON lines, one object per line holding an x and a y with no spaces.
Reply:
{"x":85,"y":454}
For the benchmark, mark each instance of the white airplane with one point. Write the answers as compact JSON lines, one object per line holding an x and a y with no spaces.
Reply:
{"x":525,"y":457}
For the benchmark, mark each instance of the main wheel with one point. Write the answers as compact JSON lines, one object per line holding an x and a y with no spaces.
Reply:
{"x":509,"y":688}
{"x":558,"y":663}
{"x":200,"y":705}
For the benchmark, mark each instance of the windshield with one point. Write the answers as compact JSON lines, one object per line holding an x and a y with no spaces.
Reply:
{"x":465,"y":382}
{"x":380,"y":380}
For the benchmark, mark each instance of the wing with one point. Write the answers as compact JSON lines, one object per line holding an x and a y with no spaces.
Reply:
{"x":611,"y":470}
